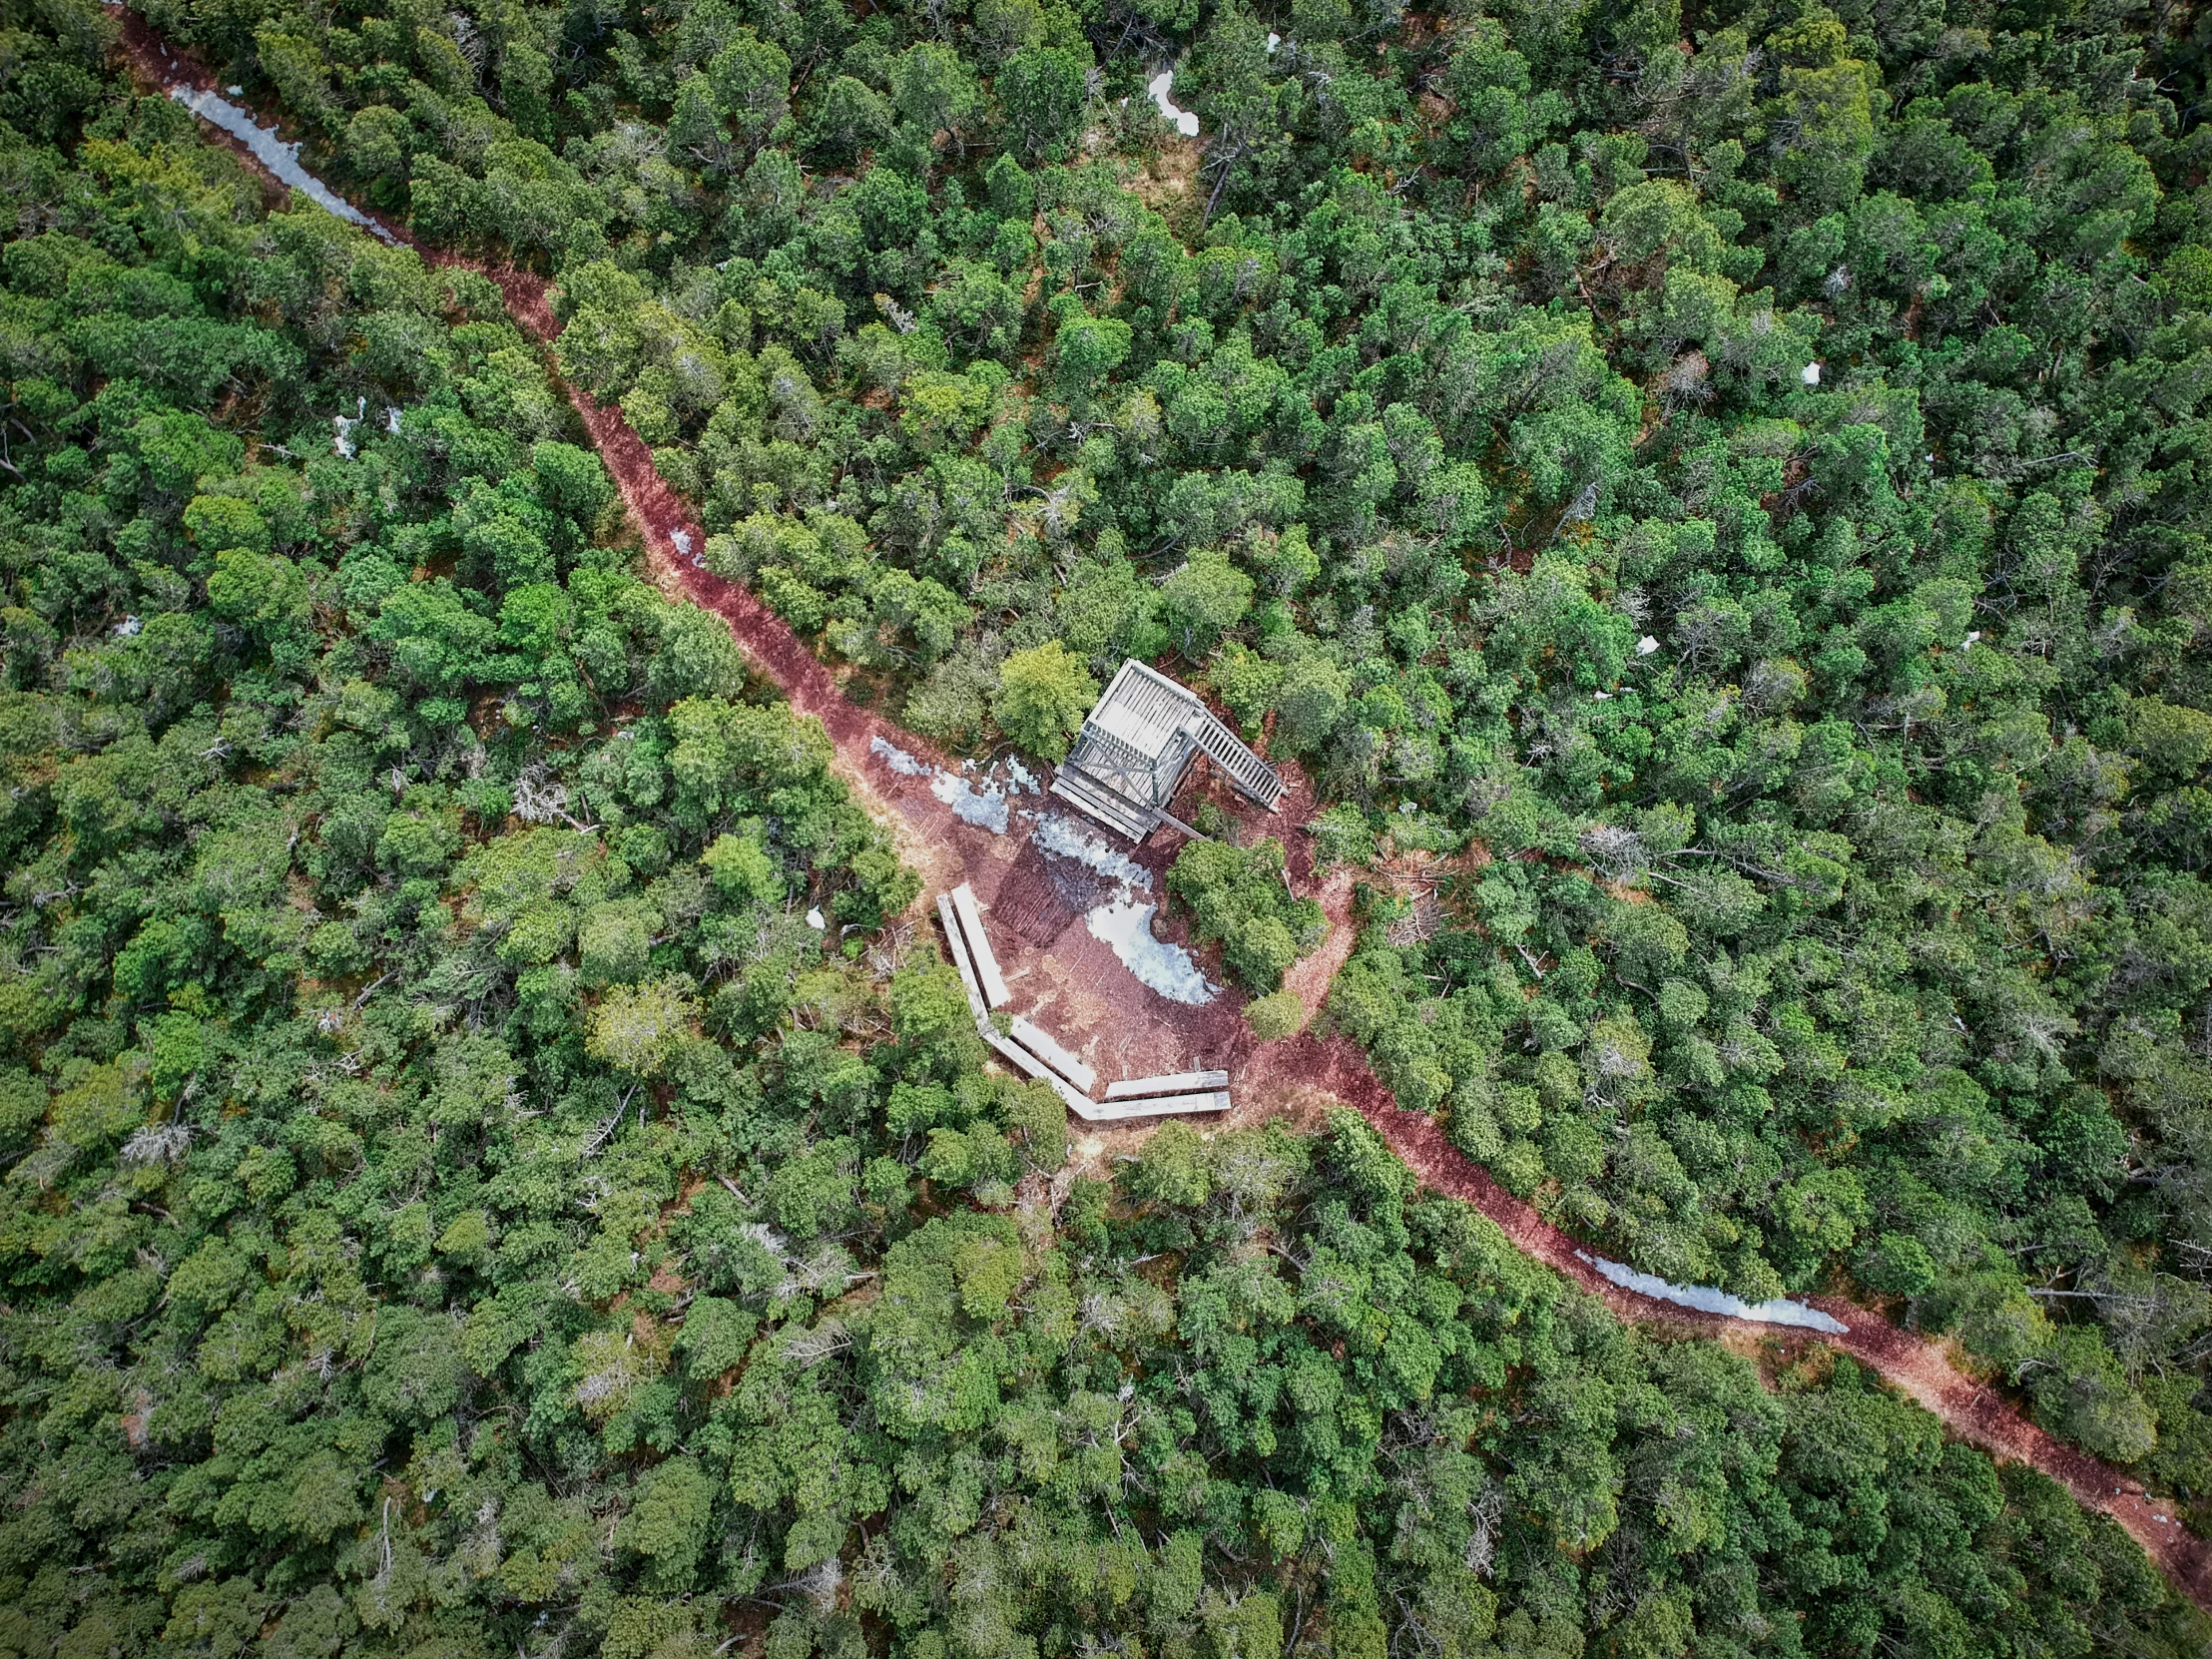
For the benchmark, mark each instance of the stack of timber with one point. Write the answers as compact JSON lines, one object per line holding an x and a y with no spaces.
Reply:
{"x":1034,"y":1052}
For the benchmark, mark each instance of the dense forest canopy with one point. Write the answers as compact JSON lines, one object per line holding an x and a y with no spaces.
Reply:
{"x":1733,"y":471}
{"x":1721,"y":486}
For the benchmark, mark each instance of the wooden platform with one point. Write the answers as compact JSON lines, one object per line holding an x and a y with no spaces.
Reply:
{"x":1040,"y":1044}
{"x":1114,"y":1111}
{"x":1180,"y":1082}
{"x":992,"y":983}
{"x":960,"y":959}
{"x":1137,"y":744}
{"x":1030,"y":1066}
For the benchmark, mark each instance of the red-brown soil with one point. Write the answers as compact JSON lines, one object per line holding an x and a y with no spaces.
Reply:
{"x":1074,"y":985}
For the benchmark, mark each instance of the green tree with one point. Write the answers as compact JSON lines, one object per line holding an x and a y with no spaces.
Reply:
{"x":1204,"y":600}
{"x":1042,"y":698}
{"x":1042,"y":91}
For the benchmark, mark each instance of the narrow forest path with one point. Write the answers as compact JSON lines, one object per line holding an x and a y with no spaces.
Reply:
{"x":879,"y":760}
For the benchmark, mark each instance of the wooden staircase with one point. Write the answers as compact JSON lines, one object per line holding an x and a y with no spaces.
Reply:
{"x":1253,"y":777}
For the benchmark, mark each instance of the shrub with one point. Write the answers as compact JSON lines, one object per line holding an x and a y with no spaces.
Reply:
{"x":1275,"y":1016}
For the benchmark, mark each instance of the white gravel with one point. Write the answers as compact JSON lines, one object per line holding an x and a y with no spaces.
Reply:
{"x":985,"y":808}
{"x":1063,"y":837}
{"x":906,"y":765}
{"x":1169,"y":969}
{"x":1707,"y":1300}
{"x":273,"y":153}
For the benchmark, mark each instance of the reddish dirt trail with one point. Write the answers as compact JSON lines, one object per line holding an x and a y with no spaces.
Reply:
{"x":1924,"y":1370}
{"x":1085,"y":986}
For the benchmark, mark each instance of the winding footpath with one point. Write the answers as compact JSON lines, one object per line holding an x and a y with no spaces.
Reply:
{"x":932,"y":840}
